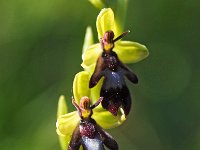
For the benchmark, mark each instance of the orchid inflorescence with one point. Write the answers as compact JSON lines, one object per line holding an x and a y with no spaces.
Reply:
{"x":101,"y":96}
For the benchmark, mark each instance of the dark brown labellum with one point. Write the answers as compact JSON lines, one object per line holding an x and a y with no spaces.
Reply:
{"x":114,"y":89}
{"x":88,"y":133}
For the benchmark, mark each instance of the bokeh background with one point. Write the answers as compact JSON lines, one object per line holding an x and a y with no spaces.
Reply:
{"x":40,"y":52}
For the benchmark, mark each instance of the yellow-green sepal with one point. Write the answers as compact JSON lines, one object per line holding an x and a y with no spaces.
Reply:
{"x":130,"y":52}
{"x":97,"y":3}
{"x":62,"y":106}
{"x":91,"y":55}
{"x":81,"y":85}
{"x":106,"y":21}
{"x":67,"y":123}
{"x":106,"y":120}
{"x":88,"y":40}
{"x":62,"y":109}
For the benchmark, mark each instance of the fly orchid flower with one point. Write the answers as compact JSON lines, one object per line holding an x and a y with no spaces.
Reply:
{"x":87,"y":132}
{"x":109,"y":57}
{"x":127,"y":51}
{"x":114,"y":89}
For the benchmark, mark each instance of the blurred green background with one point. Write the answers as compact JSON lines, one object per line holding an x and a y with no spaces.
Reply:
{"x":40,"y":52}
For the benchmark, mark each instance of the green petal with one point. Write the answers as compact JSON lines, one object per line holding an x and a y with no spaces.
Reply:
{"x":106,"y":120}
{"x":67,"y":123}
{"x":105,"y":21}
{"x":91,"y":55}
{"x":88,"y":40}
{"x":81,"y":85}
{"x":130,"y":52}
